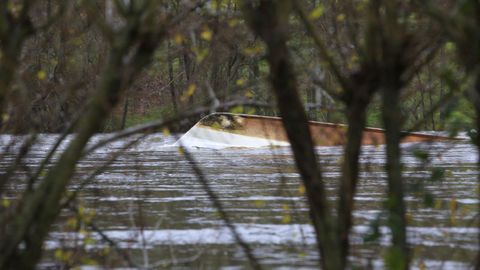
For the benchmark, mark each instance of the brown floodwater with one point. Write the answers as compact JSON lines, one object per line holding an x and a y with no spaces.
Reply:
{"x":152,"y":205}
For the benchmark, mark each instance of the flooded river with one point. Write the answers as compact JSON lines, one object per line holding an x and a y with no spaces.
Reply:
{"x":152,"y":205}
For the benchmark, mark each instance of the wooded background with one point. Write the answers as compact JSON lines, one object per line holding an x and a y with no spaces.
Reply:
{"x":59,"y":52}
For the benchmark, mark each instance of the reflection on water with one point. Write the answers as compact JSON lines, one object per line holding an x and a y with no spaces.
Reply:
{"x":150,"y":202}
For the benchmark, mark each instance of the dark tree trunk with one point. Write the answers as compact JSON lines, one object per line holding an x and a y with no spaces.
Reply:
{"x":186,"y":65}
{"x":361,"y":88}
{"x":356,"y":116}
{"x":477,"y":142}
{"x":171,"y":78}
{"x":15,"y":32}
{"x":398,"y":255}
{"x":269,"y":21}
{"x":125,"y":113}
{"x":22,"y":237}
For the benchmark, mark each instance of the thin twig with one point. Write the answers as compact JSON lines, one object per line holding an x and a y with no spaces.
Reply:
{"x":98,"y":171}
{"x":159,"y":124}
{"x":125,"y":256}
{"x":221,"y":210}
{"x":299,"y":7}
{"x":443,"y":100}
{"x":24,"y":150}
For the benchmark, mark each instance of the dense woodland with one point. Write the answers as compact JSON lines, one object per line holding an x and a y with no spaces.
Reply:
{"x":211,"y":54}
{"x":94,"y":66}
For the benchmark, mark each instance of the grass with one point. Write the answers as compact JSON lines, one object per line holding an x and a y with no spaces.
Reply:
{"x":155,"y":114}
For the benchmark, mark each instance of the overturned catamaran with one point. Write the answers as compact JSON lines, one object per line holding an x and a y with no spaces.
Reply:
{"x":241,"y":130}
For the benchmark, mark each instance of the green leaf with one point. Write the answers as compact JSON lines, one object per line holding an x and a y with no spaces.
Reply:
{"x":428,"y":200}
{"x":437,"y":174}
{"x":450,"y":46}
{"x":317,"y":12}
{"x":237,"y":109}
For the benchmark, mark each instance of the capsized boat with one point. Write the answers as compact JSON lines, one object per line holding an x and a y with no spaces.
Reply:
{"x":242,"y":130}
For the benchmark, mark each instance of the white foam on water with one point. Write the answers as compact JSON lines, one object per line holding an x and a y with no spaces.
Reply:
{"x":203,"y":137}
{"x":268,"y":234}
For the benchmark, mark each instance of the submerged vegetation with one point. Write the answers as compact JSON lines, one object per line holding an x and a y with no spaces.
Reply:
{"x":142,"y":66}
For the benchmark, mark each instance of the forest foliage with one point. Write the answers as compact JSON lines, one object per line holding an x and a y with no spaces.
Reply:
{"x":213,"y":51}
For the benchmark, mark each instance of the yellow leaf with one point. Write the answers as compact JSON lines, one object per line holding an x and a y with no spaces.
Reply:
{"x":200,"y":54}
{"x":354,"y":58}
{"x":286,"y":219}
{"x":89,"y":215}
{"x":106,"y":251}
{"x":206,"y":34}
{"x":89,"y":241}
{"x":191,"y":89}
{"x":301,"y":189}
{"x":189,"y":92}
{"x":241,"y":82}
{"x":81,"y":210}
{"x":453,"y":205}
{"x":237,"y":109}
{"x":181,"y":151}
{"x":63,"y":256}
{"x":286,"y":207}
{"x":465,"y":210}
{"x":421,"y":266}
{"x":178,"y":38}
{"x":317,"y":12}
{"x":259,"y":203}
{"x":216,"y":125}
{"x":438,"y":204}
{"x":249,"y":51}
{"x":253,"y":51}
{"x":214,"y":5}
{"x":41,"y":75}
{"x":453,"y":219}
{"x":249,"y":94}
{"x":408,"y":218}
{"x":88,"y":261}
{"x":233,"y":22}
{"x":341,"y":17}
{"x":5,"y":203}
{"x":72,"y":223}
{"x":166,"y":131}
{"x":58,"y":254}
{"x":5,"y":117}
{"x":251,"y":111}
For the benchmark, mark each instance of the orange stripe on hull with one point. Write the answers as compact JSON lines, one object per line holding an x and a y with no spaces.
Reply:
{"x":323,"y":134}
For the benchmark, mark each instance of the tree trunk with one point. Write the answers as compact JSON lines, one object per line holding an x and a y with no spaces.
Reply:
{"x":11,"y":43}
{"x":398,"y":254}
{"x":171,"y":78}
{"x":39,"y":211}
{"x":356,"y":116}
{"x":22,"y":238}
{"x":125,"y":113}
{"x":477,"y":142}
{"x":270,"y":21}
